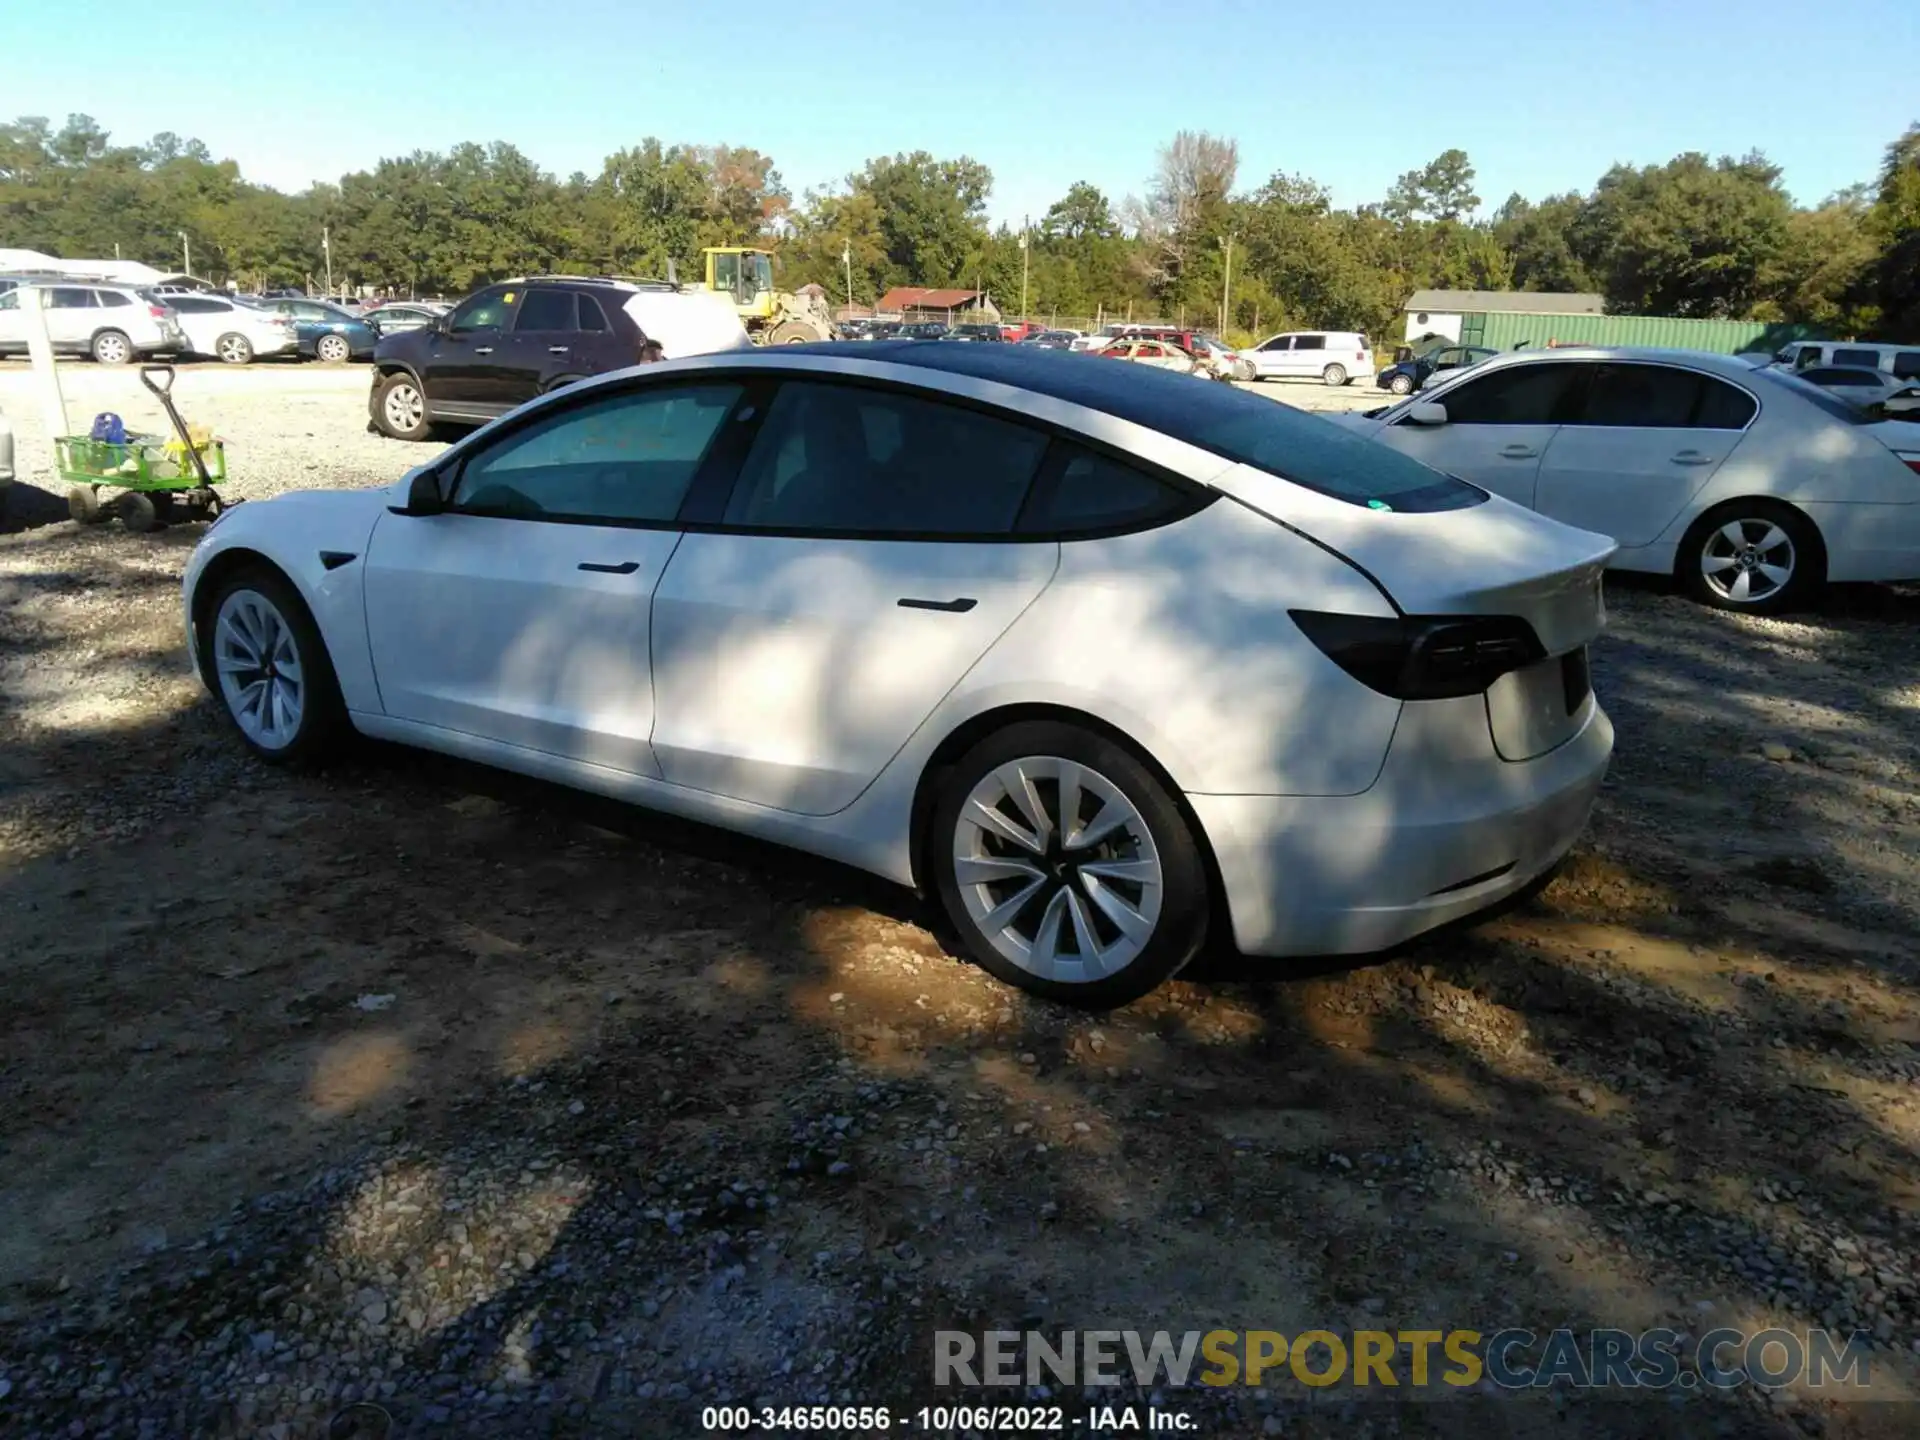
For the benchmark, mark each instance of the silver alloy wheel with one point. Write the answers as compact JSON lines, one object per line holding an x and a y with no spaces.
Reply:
{"x":1747,"y":561}
{"x":258,"y":663}
{"x":1058,"y":869}
{"x":403,"y":406}
{"x":332,"y":347}
{"x":234,"y":349}
{"x":111,"y":350}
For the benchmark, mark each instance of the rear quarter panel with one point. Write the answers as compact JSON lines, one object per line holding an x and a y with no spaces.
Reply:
{"x":1179,"y":637}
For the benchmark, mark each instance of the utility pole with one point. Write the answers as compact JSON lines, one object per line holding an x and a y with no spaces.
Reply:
{"x":186,"y":253}
{"x":1026,"y":262}
{"x":846,"y":259}
{"x":326,"y":249}
{"x":116,"y":249}
{"x":1226,"y":286}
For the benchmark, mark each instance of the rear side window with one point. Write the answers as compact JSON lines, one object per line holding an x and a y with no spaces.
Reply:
{"x":113,"y":298}
{"x":1519,"y":395}
{"x":546,"y":310}
{"x":1906,"y":365}
{"x":1869,"y":358}
{"x":1082,"y":491}
{"x":592,"y":317}
{"x":60,"y":297}
{"x":844,"y":458}
{"x":1309,"y":342}
{"x":1659,"y":397}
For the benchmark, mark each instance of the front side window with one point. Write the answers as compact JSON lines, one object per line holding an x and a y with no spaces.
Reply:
{"x":1518,"y":395}
{"x":1279,"y":342}
{"x":10,"y":300}
{"x":628,"y":458}
{"x":851,"y":459}
{"x":489,"y":310}
{"x":546,"y":310}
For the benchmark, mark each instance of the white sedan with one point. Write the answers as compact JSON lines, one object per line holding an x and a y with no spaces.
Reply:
{"x":237,"y":333}
{"x":1073,"y":646}
{"x":1748,"y":485}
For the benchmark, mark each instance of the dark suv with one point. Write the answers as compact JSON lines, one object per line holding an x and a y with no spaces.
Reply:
{"x":502,"y":346}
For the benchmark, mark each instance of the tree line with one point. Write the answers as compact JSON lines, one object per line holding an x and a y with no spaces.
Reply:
{"x":1696,"y":236}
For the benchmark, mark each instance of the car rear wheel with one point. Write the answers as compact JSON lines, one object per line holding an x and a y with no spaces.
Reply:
{"x":1334,"y":374}
{"x":400,"y":410}
{"x":332,"y":348}
{"x":1401,"y":385}
{"x":110,"y":347}
{"x":264,"y":657}
{"x":1756,"y":556}
{"x":234,"y":349}
{"x":1066,"y":865}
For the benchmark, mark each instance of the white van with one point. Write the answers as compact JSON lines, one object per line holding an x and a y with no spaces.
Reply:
{"x":1900,"y":361}
{"x":1337,"y":357}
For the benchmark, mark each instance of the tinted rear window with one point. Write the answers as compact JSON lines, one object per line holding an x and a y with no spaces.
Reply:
{"x":1312,"y":452}
{"x":1823,"y":400}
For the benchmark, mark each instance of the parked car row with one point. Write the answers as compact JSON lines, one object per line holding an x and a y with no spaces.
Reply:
{"x":116,"y":324}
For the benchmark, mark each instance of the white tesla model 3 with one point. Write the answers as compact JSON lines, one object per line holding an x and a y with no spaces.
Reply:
{"x":1098,"y":654}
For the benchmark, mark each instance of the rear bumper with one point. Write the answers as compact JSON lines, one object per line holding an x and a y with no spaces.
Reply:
{"x":1869,"y":541}
{"x":1448,"y":830}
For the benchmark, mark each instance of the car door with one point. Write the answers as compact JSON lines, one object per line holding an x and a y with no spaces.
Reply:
{"x":13,"y":325}
{"x":71,"y":315}
{"x":598,"y":346}
{"x":862,"y":564}
{"x":1271,"y":358}
{"x":1308,"y":355}
{"x":540,"y":346}
{"x":520,"y":614}
{"x":1498,"y":426}
{"x":1636,"y":445}
{"x":463,"y":369}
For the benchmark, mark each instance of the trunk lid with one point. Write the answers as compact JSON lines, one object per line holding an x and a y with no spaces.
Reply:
{"x":1495,"y":558}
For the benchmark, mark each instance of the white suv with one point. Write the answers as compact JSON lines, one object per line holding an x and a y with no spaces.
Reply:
{"x":1335,"y":357}
{"x":112,"y":323}
{"x":236,"y":333}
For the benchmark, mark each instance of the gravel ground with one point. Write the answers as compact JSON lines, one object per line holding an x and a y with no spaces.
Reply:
{"x":513,"y":1112}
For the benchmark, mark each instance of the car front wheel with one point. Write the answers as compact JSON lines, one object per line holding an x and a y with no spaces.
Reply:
{"x":1757,"y":556}
{"x":1401,"y":385}
{"x":265,"y":660}
{"x":333,"y":349}
{"x":1066,"y":866}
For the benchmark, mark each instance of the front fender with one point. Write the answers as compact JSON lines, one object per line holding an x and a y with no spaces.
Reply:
{"x":318,"y":540}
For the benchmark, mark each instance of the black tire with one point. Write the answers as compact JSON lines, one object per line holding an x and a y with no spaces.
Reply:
{"x":138,"y":511}
{"x":1334,"y":375}
{"x":1401,"y":385}
{"x":323,"y":726}
{"x":391,"y":413}
{"x":1177,"y":931}
{"x":340,"y":347}
{"x":83,"y":504}
{"x":1798,"y":549}
{"x":234,"y":349}
{"x":111,"y":347}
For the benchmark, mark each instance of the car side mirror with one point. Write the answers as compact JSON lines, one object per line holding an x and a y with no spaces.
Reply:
{"x":1427,"y":412}
{"x":423,"y":496}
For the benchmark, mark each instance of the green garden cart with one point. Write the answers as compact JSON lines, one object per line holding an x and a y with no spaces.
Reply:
{"x":147,"y":480}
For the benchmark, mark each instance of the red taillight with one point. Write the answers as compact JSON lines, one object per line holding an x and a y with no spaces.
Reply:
{"x":1359,"y":354}
{"x":158,"y":312}
{"x":1909,"y":459}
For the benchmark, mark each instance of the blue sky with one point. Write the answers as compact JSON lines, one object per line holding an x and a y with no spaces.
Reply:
{"x":1542,"y":95}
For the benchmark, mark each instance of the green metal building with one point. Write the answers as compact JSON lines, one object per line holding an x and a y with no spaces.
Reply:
{"x":1509,"y":319}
